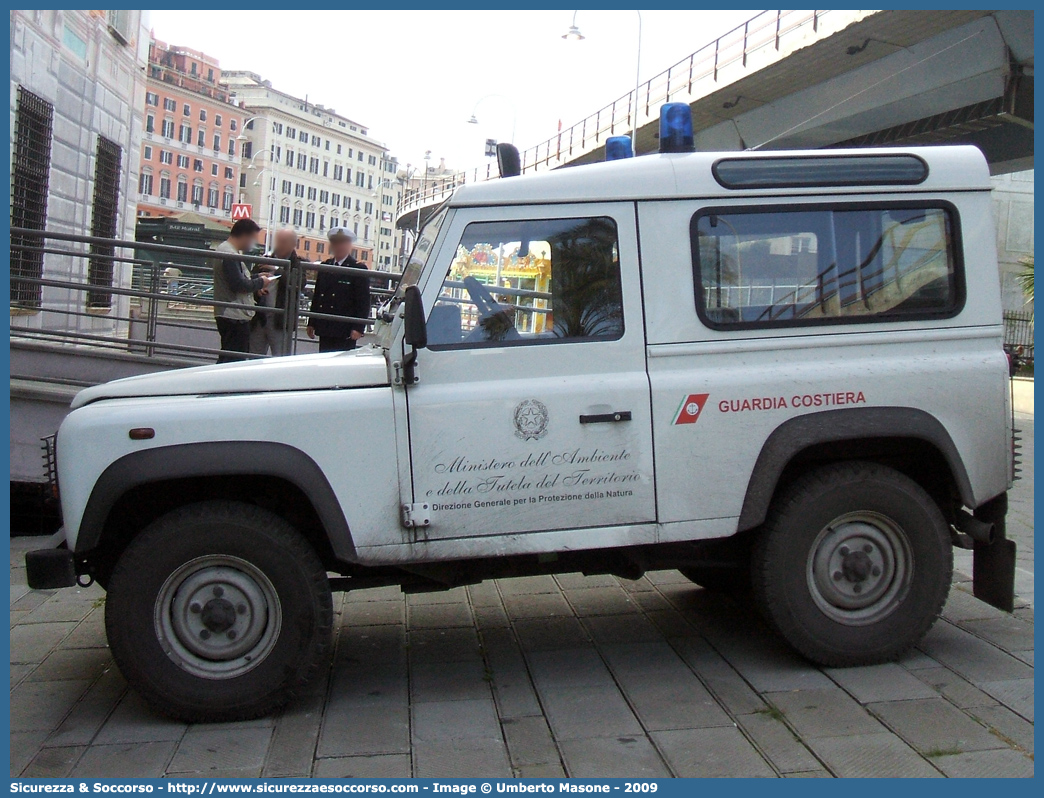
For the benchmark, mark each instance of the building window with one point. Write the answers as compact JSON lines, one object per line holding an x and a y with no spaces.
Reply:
{"x":183,"y":162}
{"x":210,"y":75}
{"x":311,"y":193}
{"x":201,"y":139}
{"x":360,"y":179}
{"x":310,"y":220}
{"x":348,"y":175}
{"x":302,"y":161}
{"x":229,"y":174}
{"x":291,"y":132}
{"x":168,"y":128}
{"x":333,"y":221}
{"x":228,"y":200}
{"x":30,"y":170}
{"x":298,"y":217}
{"x":313,"y":165}
{"x":150,"y":124}
{"x":320,"y":247}
{"x":284,"y":215}
{"x":369,"y":207}
{"x":213,"y":170}
{"x":232,"y":147}
{"x":146,"y":153}
{"x":197,"y":165}
{"x":366,"y":233}
{"x":151,"y":98}
{"x":217,"y":142}
{"x":360,"y":156}
{"x":186,"y":110}
{"x":335,"y":199}
{"x":338,"y":149}
{"x":217,"y":120}
{"x":242,"y":179}
{"x":322,"y":222}
{"x":185,"y":134}
{"x":182,"y":189}
{"x":166,"y":156}
{"x":277,"y":128}
{"x":308,"y":245}
{"x":338,"y":173}
{"x":287,"y":187}
{"x":303,"y":136}
{"x":169,"y":104}
{"x":145,"y":184}
{"x":372,"y":160}
{"x":324,"y":197}
{"x":299,"y":189}
{"x":232,"y":125}
{"x":165,"y":185}
{"x":212,"y":197}
{"x":248,"y":149}
{"x":326,"y":168}
{"x":197,"y":194}
{"x":202,"y":114}
{"x":104,"y":212}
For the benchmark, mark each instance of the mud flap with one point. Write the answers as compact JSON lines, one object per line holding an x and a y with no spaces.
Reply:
{"x":993,"y":564}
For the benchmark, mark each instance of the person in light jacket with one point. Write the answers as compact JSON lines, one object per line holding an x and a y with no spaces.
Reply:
{"x":341,"y":295}
{"x":233,"y":283}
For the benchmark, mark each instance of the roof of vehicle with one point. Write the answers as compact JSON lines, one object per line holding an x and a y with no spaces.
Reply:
{"x":687,"y":175}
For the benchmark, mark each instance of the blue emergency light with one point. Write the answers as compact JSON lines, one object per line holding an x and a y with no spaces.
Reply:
{"x":617,"y":147}
{"x":676,"y":128}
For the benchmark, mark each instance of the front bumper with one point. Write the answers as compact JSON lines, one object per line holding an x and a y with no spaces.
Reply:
{"x":51,"y":568}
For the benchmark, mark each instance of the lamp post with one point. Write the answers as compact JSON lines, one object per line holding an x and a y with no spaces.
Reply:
{"x":514,"y":112}
{"x":574,"y":34}
{"x":270,"y":210}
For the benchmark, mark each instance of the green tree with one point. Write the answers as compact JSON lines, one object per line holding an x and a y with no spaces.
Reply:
{"x":1025,"y":278}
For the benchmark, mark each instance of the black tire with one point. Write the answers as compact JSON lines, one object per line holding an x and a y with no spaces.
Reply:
{"x":218,"y":611}
{"x":853,"y":565}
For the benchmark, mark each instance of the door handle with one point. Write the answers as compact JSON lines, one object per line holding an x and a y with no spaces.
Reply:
{"x":606,"y":418}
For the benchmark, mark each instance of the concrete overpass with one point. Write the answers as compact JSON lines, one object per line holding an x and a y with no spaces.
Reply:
{"x":815,"y":79}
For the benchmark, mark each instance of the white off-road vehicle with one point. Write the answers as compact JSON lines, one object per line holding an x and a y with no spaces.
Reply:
{"x":777,"y":372}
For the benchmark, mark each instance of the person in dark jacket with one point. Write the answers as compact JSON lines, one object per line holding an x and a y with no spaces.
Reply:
{"x":340,"y":294}
{"x":234,"y":284}
{"x":266,"y":329}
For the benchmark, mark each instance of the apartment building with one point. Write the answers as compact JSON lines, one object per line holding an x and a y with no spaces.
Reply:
{"x":190,"y":154}
{"x":308,"y":168}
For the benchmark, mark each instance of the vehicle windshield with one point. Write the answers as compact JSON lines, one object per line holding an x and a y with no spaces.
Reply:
{"x":414,"y":268}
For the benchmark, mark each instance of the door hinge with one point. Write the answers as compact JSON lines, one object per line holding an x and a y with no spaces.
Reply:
{"x":416,"y":515}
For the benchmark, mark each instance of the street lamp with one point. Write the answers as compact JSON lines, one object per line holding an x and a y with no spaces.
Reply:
{"x":270,"y":195}
{"x":514,"y":111}
{"x":574,"y":34}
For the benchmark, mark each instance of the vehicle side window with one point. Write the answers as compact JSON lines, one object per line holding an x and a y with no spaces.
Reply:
{"x":790,"y":266}
{"x":528,"y":282}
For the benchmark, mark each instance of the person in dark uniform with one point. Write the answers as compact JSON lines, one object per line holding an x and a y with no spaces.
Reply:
{"x":339,"y":294}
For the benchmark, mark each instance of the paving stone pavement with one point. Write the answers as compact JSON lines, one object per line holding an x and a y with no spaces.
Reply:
{"x":549,"y":677}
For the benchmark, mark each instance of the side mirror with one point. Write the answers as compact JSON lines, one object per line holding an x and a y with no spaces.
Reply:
{"x":413,"y":314}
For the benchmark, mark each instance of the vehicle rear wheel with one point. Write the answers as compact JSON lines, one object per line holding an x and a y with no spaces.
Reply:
{"x":218,"y":611}
{"x":853,"y":565}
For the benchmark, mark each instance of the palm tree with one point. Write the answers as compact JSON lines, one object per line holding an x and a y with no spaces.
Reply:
{"x":1025,"y":278}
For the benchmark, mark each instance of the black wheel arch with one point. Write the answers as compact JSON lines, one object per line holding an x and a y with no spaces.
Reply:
{"x":216,"y":460}
{"x":850,"y":433}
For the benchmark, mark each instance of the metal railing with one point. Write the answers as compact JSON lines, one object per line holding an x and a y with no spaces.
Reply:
{"x":768,"y":30}
{"x":143,"y":315}
{"x":1018,"y":333}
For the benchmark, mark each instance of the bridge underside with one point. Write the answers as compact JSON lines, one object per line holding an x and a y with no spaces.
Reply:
{"x":890,"y":78}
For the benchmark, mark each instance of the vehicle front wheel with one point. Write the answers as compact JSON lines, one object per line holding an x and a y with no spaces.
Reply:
{"x":853,"y":565}
{"x":218,"y":611}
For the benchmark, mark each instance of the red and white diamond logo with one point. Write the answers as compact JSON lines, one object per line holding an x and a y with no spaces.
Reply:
{"x":691,"y":408}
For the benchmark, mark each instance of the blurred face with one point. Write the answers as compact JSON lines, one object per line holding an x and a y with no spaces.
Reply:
{"x":341,"y":247}
{"x":245,"y":241}
{"x":284,"y":243}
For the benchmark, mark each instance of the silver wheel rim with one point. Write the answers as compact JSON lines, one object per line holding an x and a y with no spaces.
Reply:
{"x":217,"y":617}
{"x":859,"y":568}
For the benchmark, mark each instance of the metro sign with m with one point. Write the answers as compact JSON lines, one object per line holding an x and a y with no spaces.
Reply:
{"x":241,"y":211}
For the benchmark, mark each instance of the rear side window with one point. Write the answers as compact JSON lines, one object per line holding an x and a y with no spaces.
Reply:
{"x":789,"y":266}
